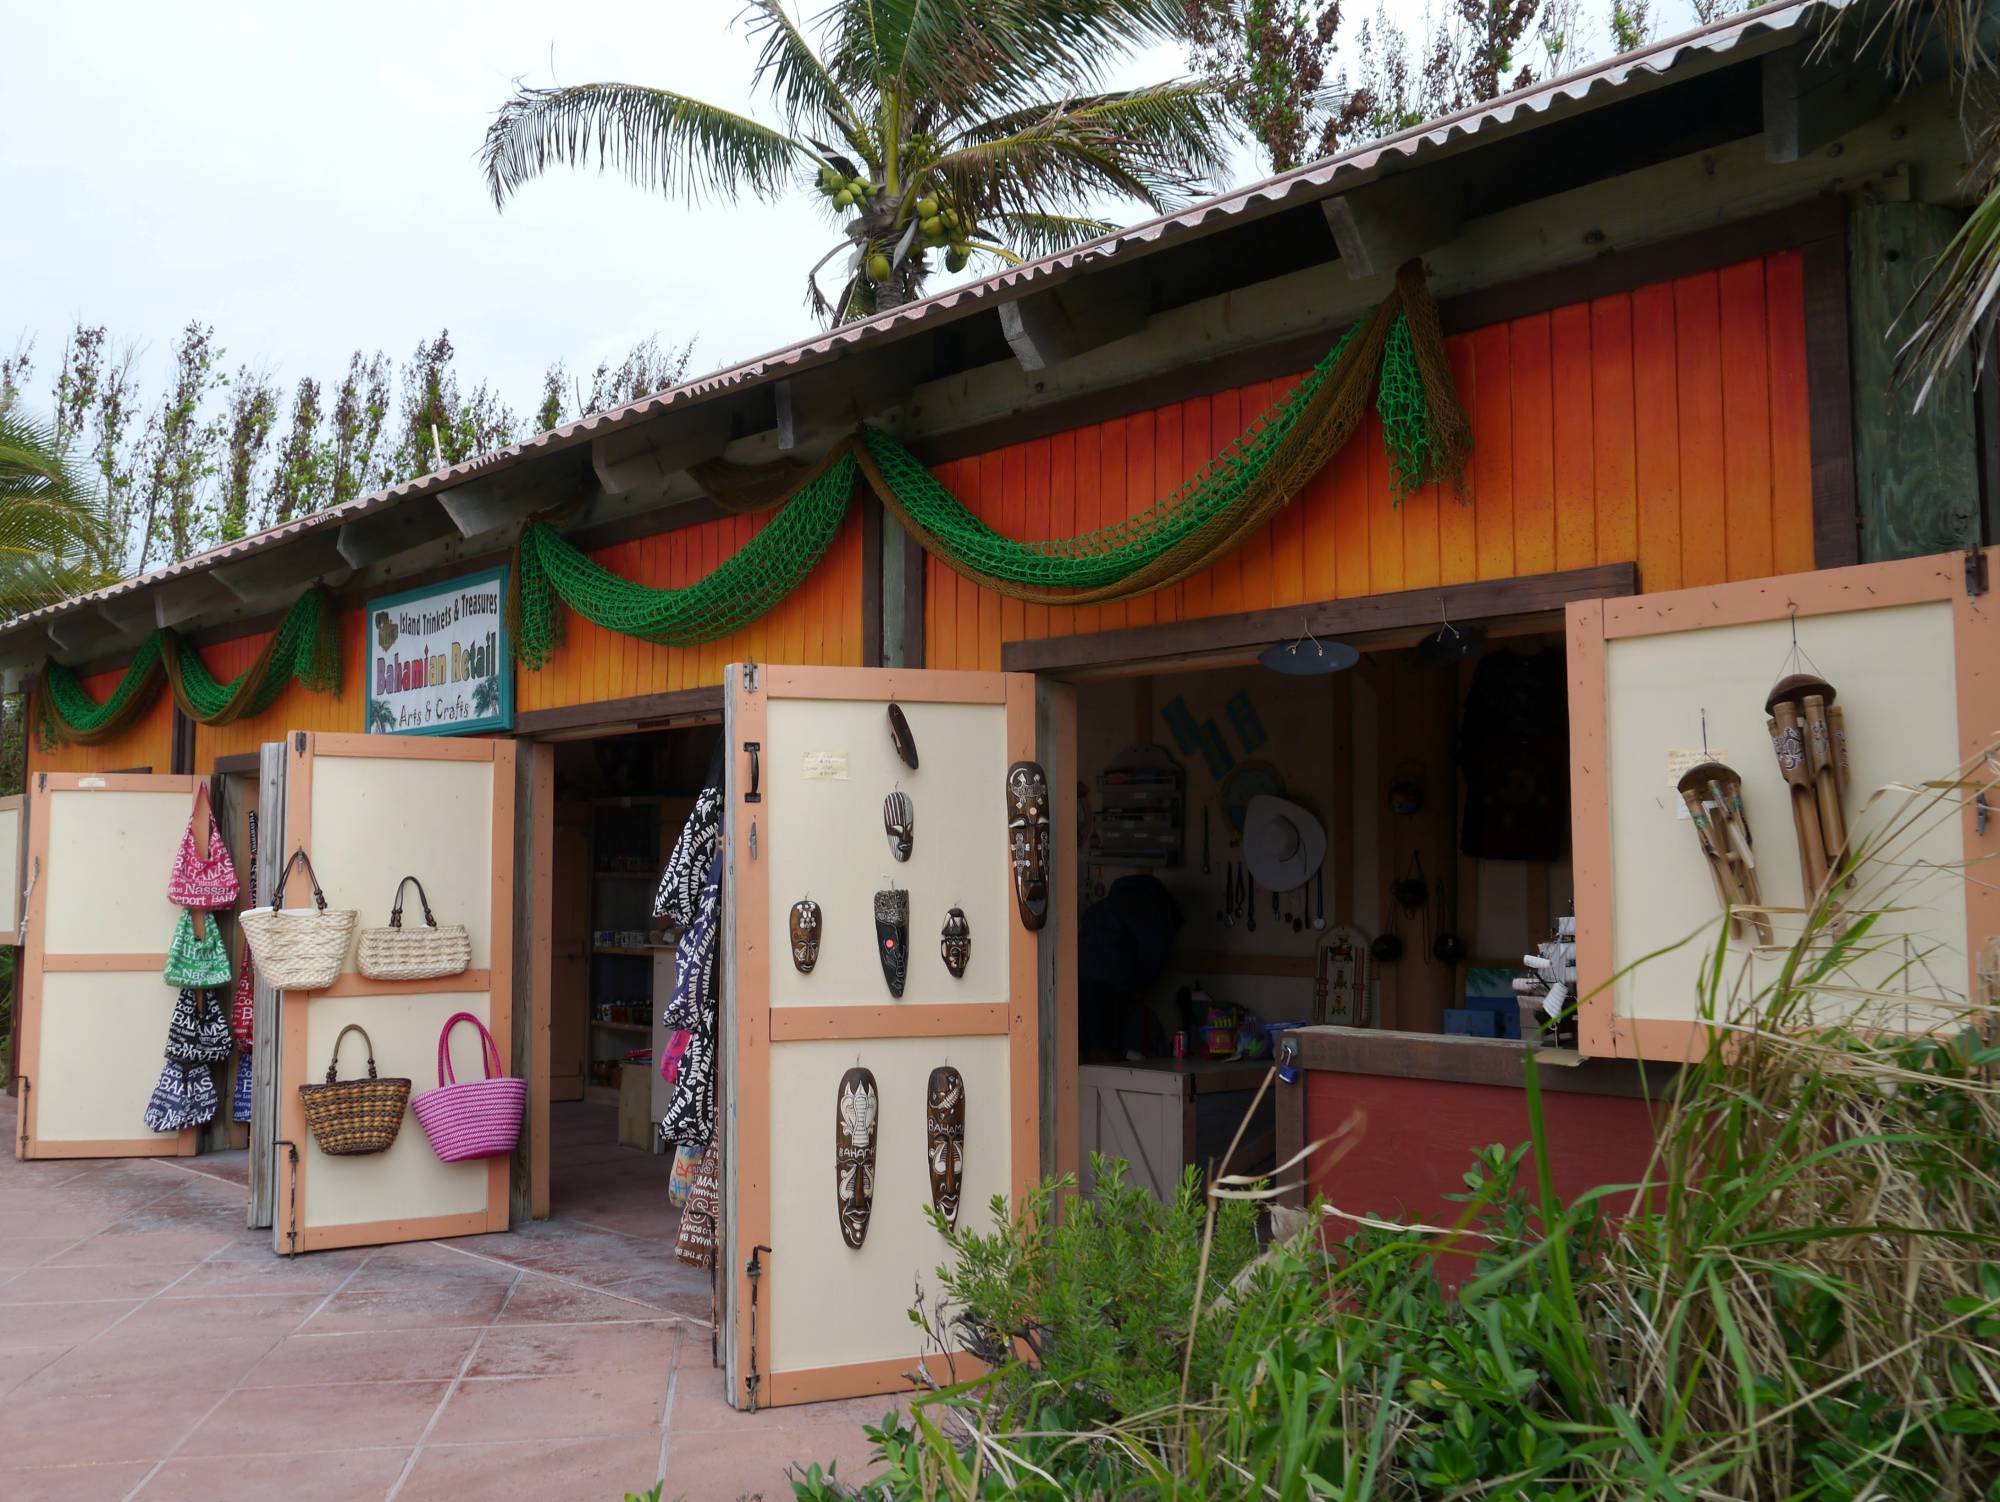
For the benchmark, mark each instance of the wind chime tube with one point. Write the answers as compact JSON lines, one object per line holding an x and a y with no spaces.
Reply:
{"x":1725,"y":893}
{"x":1826,"y":780}
{"x":1788,"y":742}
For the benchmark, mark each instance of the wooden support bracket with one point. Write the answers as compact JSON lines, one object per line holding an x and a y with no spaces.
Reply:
{"x":1046,"y":328}
{"x":1812,"y":98}
{"x":1381,"y":225}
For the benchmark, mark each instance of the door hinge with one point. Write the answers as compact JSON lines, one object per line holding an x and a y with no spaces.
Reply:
{"x":292,"y":1210}
{"x":41,"y":782}
{"x":1975,"y":572}
{"x":299,"y":741}
{"x":754,"y":1271}
{"x":749,"y":677}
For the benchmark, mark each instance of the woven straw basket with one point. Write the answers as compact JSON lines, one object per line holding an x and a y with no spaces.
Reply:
{"x":350,"y":1117}
{"x":399,"y":953}
{"x":298,"y":949}
{"x":476,"y":1119}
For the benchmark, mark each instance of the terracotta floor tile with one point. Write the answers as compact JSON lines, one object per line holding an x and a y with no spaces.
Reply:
{"x":75,"y":1483}
{"x":364,"y":1356}
{"x":237,"y":1314}
{"x":560,"y":1407}
{"x":125,"y":1360}
{"x":56,"y":1285}
{"x":117,"y":1246}
{"x":56,"y":1324}
{"x":601,"y":1470}
{"x":62,"y":1428}
{"x":69,"y":1224}
{"x":284,"y":1420}
{"x":540,"y":1300}
{"x":26,"y":1251}
{"x":345,"y":1476}
{"x":255,"y":1268}
{"x":470,"y":1303}
{"x":18,"y":1365}
{"x":633,"y":1349}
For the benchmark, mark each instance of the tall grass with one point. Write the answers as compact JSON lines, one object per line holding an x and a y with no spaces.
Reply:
{"x":1799,"y":1299}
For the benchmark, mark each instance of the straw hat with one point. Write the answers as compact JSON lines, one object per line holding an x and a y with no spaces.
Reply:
{"x":1282,"y":844}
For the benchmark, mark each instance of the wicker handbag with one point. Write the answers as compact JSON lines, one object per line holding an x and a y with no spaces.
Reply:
{"x":300,"y":948}
{"x":196,"y":959}
{"x":471,"y":1118}
{"x":399,"y":953}
{"x":350,"y":1117}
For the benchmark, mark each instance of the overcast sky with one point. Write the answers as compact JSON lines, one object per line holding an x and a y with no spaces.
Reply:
{"x":303,"y":178}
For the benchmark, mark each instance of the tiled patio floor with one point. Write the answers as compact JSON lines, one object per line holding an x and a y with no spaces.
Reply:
{"x":152,"y":1347}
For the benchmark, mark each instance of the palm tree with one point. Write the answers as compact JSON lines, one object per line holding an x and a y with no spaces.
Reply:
{"x":958,"y":128}
{"x":55,"y":537}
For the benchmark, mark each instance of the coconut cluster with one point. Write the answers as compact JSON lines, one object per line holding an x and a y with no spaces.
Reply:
{"x":940,"y":226}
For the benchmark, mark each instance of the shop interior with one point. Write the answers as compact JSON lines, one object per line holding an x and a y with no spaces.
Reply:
{"x":620,"y":804}
{"x":1374,"y":838}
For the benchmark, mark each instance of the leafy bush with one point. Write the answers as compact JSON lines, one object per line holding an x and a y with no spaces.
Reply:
{"x":1800,"y":1300}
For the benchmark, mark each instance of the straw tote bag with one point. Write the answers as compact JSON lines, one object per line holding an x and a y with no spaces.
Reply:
{"x":203,"y":876}
{"x":298,"y":948}
{"x":197,"y":959}
{"x":351,"y":1117}
{"x":476,"y":1118}
{"x":399,"y":953}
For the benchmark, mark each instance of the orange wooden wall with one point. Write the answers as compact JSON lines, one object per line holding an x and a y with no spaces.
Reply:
{"x":819,"y":625}
{"x":1667,"y":425}
{"x":147,"y":742}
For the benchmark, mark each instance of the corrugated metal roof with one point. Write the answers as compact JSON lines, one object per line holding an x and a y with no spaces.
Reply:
{"x":1586,"y":86}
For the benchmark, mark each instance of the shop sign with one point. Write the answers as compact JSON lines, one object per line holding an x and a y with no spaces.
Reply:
{"x":439,"y":662}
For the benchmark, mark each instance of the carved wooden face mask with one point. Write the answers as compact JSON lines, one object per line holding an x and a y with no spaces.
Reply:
{"x":899,"y":822}
{"x":944,"y":1139}
{"x":900,"y":737}
{"x":955,"y":943}
{"x":856,"y":1111}
{"x":805,"y":934}
{"x":1028,"y":840}
{"x":892,"y":936}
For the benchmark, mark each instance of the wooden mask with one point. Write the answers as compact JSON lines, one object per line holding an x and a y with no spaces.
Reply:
{"x":955,"y":943}
{"x":899,"y":822}
{"x":857,"y":1108}
{"x":805,"y":934}
{"x":892,"y":936}
{"x":1028,"y":840}
{"x":900,"y":737}
{"x":944,"y":1139}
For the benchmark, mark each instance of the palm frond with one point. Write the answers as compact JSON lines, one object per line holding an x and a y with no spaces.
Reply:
{"x":55,"y":536}
{"x":1962,"y":288}
{"x":680,"y":146}
{"x":1179,"y":127}
{"x":1036,"y":234}
{"x":805,"y":90}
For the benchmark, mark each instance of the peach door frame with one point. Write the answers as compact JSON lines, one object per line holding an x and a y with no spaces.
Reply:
{"x":757,"y":1025}
{"x":302,"y":747}
{"x":37,"y":963}
{"x":1590,"y":625}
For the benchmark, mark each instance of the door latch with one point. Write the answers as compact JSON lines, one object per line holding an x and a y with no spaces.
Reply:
{"x":754,"y":1271}
{"x":753,"y":839}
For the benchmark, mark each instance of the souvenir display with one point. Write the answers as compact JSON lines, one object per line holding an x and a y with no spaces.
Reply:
{"x":471,"y":1118}
{"x":1343,"y":993}
{"x":900,"y":737}
{"x":240,"y":1097}
{"x":690,"y":1114}
{"x":944,"y":1137}
{"x":1809,"y":737}
{"x":1028,"y":840}
{"x":856,"y":1111}
{"x":427,"y":953}
{"x":184,"y":1097}
{"x":195,"y":955}
{"x":243,"y":1005}
{"x":1713,"y":795}
{"x":1545,"y":994}
{"x":350,"y":1117}
{"x":199,"y":1031}
{"x":679,"y":894}
{"x":203,"y":876}
{"x":892,"y":936}
{"x":955,"y":943}
{"x":298,"y":949}
{"x":696,"y":1240}
{"x":687,"y":1162}
{"x":805,"y":935}
{"x":899,"y":821}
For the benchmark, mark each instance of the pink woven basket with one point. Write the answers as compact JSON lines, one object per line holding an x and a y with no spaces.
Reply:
{"x":476,"y":1118}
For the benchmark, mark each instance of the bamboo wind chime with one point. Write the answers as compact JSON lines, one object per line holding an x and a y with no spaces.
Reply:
{"x":1713,"y":794}
{"x":1809,"y":737}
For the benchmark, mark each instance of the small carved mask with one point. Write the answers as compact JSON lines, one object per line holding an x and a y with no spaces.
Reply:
{"x":944,"y":1139}
{"x":857,"y":1108}
{"x":900,"y":737}
{"x":955,"y":943}
{"x":805,"y":934}
{"x":1028,"y":840}
{"x":899,"y":821}
{"x":892,"y":936}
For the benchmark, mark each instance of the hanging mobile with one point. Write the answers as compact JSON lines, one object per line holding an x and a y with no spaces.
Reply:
{"x":892,"y":936}
{"x":900,"y":737}
{"x":899,"y":822}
